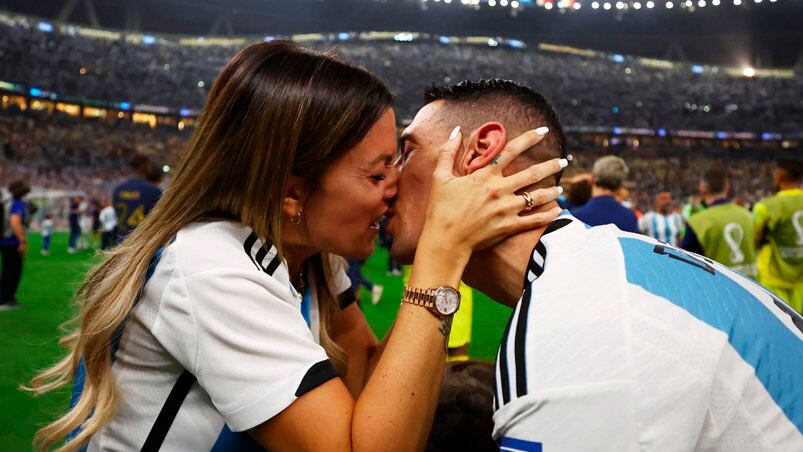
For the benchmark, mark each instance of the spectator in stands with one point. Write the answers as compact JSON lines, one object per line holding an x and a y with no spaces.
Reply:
{"x":663,"y":223}
{"x":779,"y":233}
{"x":609,"y":174}
{"x":579,"y":192}
{"x":724,"y":231}
{"x":13,"y":243}
{"x":134,"y":198}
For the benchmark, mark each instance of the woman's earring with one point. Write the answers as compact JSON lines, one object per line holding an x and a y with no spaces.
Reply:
{"x":297,"y":219}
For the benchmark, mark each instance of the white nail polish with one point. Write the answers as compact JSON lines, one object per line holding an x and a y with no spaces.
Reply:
{"x":564,"y":163}
{"x":542,"y":130}
{"x":454,"y":133}
{"x":560,"y":190}
{"x":570,"y":157}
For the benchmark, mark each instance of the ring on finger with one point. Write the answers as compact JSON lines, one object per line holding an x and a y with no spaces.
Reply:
{"x":529,"y":202}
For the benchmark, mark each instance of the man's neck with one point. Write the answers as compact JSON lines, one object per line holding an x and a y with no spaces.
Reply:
{"x":498,"y":272}
{"x":711,"y":199}
{"x":599,"y":191}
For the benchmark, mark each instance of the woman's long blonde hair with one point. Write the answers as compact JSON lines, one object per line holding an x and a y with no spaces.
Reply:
{"x":274,"y":110}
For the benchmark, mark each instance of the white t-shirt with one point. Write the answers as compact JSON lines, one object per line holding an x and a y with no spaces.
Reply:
{"x":218,"y":305}
{"x":621,"y":343}
{"x":108,"y":218}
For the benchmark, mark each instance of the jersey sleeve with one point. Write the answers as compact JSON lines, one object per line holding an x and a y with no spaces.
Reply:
{"x":245,"y":341}
{"x":18,"y":208}
{"x":341,"y":284}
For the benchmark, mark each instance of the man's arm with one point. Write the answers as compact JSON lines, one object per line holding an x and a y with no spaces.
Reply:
{"x":690,"y":241}
{"x":18,"y":228}
{"x":352,"y":333}
{"x":761,"y":215}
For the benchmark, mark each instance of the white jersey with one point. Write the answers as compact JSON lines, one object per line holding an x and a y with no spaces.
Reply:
{"x":108,"y":219}
{"x":216,"y":345}
{"x":622,"y":343}
{"x":664,"y":228}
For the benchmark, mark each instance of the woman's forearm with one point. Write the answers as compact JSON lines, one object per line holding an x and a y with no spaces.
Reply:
{"x":398,"y":403}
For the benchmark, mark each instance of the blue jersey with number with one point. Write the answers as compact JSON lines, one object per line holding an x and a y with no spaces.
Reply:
{"x":133,"y":199}
{"x":624,"y":343}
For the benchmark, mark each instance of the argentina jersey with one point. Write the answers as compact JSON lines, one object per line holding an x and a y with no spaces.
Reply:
{"x":624,"y":343}
{"x":218,"y":343}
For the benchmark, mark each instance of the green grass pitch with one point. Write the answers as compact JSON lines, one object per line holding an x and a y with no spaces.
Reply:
{"x":29,"y":335}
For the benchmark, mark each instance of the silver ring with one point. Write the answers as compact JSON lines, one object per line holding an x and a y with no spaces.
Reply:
{"x":529,"y":202}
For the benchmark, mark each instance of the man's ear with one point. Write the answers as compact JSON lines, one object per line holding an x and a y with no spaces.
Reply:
{"x":292,"y":202}
{"x":484,"y":145}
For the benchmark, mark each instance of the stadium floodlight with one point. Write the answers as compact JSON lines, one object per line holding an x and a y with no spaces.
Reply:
{"x":715,"y":2}
{"x":606,"y":6}
{"x":650,"y":4}
{"x":595,"y":5}
{"x":620,"y":5}
{"x":444,"y":40}
{"x":637,"y":5}
{"x":514,"y":4}
{"x":46,"y":27}
{"x":148,"y":40}
{"x":669,"y":5}
{"x":503,"y":2}
{"x":737,"y":2}
{"x":757,"y":1}
{"x":577,"y":5}
{"x":200,"y":84}
{"x":701,"y":3}
{"x":749,"y":72}
{"x":447,"y":1}
{"x":548,"y":5}
{"x":491,"y":2}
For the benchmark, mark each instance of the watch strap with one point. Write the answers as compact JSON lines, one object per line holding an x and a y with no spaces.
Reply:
{"x":419,"y":297}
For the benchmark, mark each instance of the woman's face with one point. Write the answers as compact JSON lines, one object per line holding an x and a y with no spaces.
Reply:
{"x":342,"y":216}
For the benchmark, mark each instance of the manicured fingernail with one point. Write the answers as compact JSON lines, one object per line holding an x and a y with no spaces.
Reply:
{"x":560,"y":190}
{"x":542,"y":130}
{"x":454,"y":134}
{"x":564,"y":163}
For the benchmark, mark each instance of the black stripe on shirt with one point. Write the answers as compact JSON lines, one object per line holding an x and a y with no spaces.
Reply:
{"x":260,"y":255}
{"x":248,"y":245}
{"x":502,"y":363}
{"x":169,"y":411}
{"x":273,"y":265}
{"x":317,"y":375}
{"x":519,"y":341}
{"x":346,"y":299}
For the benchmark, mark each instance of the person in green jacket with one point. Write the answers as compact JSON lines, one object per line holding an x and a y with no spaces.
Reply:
{"x":779,"y":235}
{"x":724,"y":231}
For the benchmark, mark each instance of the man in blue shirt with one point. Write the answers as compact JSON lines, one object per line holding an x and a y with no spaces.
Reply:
{"x":13,"y":243}
{"x":603,"y":208}
{"x":134,"y":198}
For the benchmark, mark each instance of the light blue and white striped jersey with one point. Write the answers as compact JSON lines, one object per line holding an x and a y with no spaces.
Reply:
{"x":622,"y":343}
{"x":664,"y":228}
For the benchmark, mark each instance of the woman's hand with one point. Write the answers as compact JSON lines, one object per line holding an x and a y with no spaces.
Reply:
{"x":473,"y":212}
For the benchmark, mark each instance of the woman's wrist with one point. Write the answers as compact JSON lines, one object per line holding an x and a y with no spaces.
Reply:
{"x":438,"y":262}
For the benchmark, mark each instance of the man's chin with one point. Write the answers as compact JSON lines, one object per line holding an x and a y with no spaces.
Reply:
{"x":402,"y":256}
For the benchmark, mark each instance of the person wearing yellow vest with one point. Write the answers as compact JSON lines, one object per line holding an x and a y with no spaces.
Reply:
{"x":724,"y":231}
{"x":779,"y":234}
{"x":460,"y":336}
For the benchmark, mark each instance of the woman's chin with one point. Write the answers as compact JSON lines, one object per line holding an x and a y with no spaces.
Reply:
{"x":362,"y":253}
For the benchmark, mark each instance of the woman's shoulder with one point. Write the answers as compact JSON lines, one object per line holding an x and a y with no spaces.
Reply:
{"x":224,"y":247}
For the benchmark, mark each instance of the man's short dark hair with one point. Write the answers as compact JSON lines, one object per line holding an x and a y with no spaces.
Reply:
{"x":793,"y":169}
{"x":514,"y":104}
{"x":18,"y":189}
{"x":716,"y":179}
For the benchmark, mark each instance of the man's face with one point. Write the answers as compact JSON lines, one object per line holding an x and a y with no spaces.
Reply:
{"x":421,"y":142}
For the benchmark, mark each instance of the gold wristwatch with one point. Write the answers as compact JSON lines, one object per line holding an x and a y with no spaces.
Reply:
{"x":440,"y":301}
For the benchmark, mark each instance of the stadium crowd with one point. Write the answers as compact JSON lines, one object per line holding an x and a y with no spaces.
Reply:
{"x":587,"y":91}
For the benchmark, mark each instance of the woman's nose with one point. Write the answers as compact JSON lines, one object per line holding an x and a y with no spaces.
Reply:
{"x":392,"y":184}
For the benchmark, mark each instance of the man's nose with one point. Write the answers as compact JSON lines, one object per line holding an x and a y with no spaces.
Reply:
{"x":392,"y":184}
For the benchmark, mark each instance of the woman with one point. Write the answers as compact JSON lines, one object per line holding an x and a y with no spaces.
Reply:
{"x":194,"y":327}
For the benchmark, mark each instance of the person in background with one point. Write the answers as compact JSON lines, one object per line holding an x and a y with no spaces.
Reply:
{"x":13,"y":244}
{"x":85,"y":223}
{"x":358,"y":280}
{"x":47,"y":232}
{"x":108,"y":225}
{"x":463,"y":420}
{"x":579,"y":192}
{"x":779,"y":234}
{"x":134,"y":198}
{"x":609,"y":174}
{"x":95,"y":207}
{"x":663,"y":223}
{"x":75,"y":224}
{"x":724,"y":231}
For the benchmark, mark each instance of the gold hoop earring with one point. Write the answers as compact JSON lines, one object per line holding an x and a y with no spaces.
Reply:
{"x":297,"y":219}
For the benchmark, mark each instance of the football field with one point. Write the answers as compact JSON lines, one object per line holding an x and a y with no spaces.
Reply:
{"x":29,"y":335}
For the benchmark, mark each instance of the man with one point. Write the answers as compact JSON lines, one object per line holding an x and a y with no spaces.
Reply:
{"x":779,"y":228}
{"x":134,"y":198}
{"x":663,"y":223}
{"x":13,"y":243}
{"x":107,"y":219}
{"x":609,"y":174}
{"x":616,"y":341}
{"x":724,"y":231}
{"x":74,"y":219}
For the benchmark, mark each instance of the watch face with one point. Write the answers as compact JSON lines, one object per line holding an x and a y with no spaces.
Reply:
{"x":447,"y":300}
